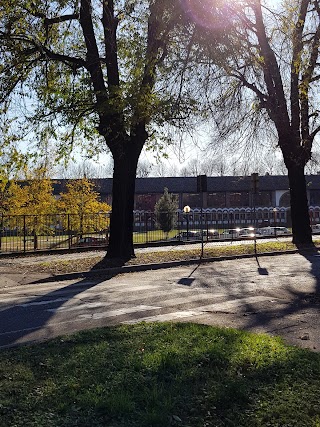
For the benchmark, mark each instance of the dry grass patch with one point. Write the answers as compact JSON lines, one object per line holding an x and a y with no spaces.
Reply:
{"x":83,"y":263}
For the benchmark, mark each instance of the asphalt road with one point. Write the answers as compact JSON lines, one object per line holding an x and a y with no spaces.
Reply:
{"x":279,"y":295}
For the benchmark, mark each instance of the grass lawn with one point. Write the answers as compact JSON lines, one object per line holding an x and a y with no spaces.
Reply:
{"x":160,"y":375}
{"x":153,"y":236}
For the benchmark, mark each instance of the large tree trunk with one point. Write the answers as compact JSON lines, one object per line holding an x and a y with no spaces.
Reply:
{"x":125,"y":158}
{"x":301,"y":229}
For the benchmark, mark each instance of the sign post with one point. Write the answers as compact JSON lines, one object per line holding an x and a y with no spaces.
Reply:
{"x":254,"y":191}
{"x":201,"y":188}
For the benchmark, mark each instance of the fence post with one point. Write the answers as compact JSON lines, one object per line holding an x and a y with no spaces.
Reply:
{"x":1,"y":231}
{"x":206,"y":224}
{"x":35,"y":236}
{"x":69,"y":233}
{"x":146,"y":224}
{"x":24,"y":234}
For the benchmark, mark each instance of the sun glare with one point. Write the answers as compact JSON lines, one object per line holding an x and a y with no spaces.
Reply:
{"x":211,"y":13}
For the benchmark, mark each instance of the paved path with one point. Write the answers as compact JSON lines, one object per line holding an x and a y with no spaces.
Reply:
{"x":274,"y":294}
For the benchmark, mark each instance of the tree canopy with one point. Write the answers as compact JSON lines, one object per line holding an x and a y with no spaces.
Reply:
{"x":108,"y":74}
{"x":95,"y":71}
{"x":79,"y":201}
{"x":81,"y":198}
{"x":266,"y":71}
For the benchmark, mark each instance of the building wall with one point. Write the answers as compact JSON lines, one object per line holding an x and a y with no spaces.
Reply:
{"x":210,"y":200}
{"x":223,"y":192}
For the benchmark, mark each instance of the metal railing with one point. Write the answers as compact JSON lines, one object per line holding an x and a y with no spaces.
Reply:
{"x":30,"y":233}
{"x":33,"y":233}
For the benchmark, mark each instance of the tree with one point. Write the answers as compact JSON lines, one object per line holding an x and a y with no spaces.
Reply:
{"x":271,"y":72}
{"x":32,"y":195}
{"x":80,"y":201}
{"x":85,"y":168}
{"x":11,"y":162}
{"x":160,"y":169}
{"x":14,"y":198}
{"x":84,"y":67}
{"x":143,"y":169}
{"x":165,"y":212}
{"x":29,"y":206}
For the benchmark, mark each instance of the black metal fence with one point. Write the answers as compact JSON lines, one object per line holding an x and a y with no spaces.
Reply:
{"x":27,"y":233}
{"x":31,"y":233}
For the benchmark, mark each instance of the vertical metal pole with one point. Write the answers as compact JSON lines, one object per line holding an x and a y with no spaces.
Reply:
{"x":201,"y":225}
{"x":69,"y":231}
{"x":146,"y":225}
{"x":187,"y":225}
{"x":207,"y":225}
{"x":24,"y":233}
{"x":254,"y":210}
{"x":1,"y":231}
{"x":254,"y":221}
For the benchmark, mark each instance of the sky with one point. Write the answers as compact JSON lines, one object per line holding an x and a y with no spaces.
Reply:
{"x":186,"y":148}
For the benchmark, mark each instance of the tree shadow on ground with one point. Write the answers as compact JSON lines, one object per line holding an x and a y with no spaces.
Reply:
{"x":107,"y":263}
{"x":28,"y":321}
{"x":312,"y":254}
{"x":286,"y":316}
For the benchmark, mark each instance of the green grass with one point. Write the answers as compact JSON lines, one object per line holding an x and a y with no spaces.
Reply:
{"x":153,"y":236}
{"x":160,"y":375}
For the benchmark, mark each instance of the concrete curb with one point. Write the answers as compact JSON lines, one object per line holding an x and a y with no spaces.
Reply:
{"x":112,"y":271}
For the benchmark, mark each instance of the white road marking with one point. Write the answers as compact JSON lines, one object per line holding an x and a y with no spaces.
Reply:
{"x":44,"y":302}
{"x":200,"y":310}
{"x":119,"y":312}
{"x":231,"y":304}
{"x":165,"y":317}
{"x":24,"y":300}
{"x":140,"y":308}
{"x":89,"y":305}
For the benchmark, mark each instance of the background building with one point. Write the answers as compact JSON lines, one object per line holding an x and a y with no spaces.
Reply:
{"x":223,"y":191}
{"x":227,"y":202}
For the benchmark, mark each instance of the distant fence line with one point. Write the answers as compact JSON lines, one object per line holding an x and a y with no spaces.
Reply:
{"x":25,"y":233}
{"x":223,"y":217}
{"x":29,"y":233}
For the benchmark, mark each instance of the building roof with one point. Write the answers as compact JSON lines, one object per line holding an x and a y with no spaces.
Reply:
{"x":189,"y":184}
{"x":219,"y":183}
{"x":214,"y":184}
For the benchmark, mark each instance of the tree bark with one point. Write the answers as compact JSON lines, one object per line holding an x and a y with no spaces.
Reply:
{"x":301,"y":229}
{"x":125,"y":157}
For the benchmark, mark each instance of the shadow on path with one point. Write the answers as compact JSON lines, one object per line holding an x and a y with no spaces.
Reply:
{"x":290,"y":313}
{"x":312,"y":255}
{"x":261,"y":270}
{"x":27,"y":319}
{"x":21,"y":320}
{"x":187,"y":281}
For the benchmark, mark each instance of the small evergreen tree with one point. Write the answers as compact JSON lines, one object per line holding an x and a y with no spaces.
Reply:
{"x":165,"y":211}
